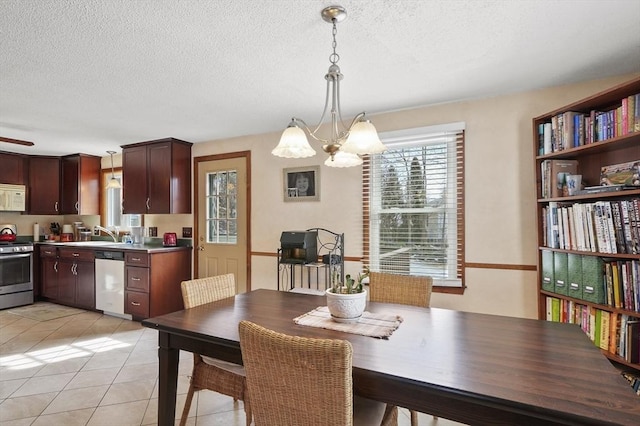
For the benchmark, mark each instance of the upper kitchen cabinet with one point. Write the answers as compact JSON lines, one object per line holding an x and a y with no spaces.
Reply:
{"x":80,"y":184}
{"x":13,"y":170}
{"x":157,"y":177}
{"x":44,"y":185}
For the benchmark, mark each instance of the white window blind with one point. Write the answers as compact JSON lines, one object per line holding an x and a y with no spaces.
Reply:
{"x":414,"y":204}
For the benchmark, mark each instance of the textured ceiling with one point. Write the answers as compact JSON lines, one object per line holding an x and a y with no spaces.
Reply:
{"x":91,"y":75}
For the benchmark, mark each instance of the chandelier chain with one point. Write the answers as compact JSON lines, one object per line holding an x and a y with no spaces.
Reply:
{"x":334,"y":57}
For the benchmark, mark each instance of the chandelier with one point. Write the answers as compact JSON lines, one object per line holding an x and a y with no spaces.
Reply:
{"x":345,"y":145}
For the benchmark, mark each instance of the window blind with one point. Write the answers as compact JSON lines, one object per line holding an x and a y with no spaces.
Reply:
{"x":413,"y":204}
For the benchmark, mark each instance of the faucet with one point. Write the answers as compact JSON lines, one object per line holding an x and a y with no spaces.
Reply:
{"x":106,"y":231}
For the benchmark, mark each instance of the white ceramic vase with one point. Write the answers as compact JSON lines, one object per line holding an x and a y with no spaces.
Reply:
{"x":346,"y":307}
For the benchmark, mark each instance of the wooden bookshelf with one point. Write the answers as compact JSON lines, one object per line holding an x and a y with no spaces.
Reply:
{"x":619,"y":144}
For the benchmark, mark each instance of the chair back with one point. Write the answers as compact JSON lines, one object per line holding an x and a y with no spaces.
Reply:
{"x":297,"y":381}
{"x":206,"y":290}
{"x":403,"y":289}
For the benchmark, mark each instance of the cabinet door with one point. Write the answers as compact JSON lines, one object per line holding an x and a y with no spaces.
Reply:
{"x":49,"y":277}
{"x":159,"y":175}
{"x":69,"y":189}
{"x":13,"y":169}
{"x":44,"y":185}
{"x":134,"y":180}
{"x":66,"y":282}
{"x":85,"y":285}
{"x":80,"y":190}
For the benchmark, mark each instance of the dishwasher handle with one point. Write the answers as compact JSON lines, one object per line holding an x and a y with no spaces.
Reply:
{"x":110,"y":255}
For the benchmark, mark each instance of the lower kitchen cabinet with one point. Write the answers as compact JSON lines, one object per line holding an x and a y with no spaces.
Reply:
{"x":68,"y":276}
{"x":153,"y":282}
{"x":49,"y":272}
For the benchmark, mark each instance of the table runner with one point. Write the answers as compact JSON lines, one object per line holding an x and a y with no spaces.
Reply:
{"x":371,"y":324}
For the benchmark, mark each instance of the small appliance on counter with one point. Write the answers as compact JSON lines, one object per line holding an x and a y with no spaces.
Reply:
{"x":8,"y":232}
{"x":170,"y":239}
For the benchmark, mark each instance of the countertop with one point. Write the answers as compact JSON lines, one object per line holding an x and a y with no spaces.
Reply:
{"x":110,"y":245}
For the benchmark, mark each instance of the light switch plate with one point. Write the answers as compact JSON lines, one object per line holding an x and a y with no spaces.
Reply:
{"x":153,"y":231}
{"x":187,"y":232}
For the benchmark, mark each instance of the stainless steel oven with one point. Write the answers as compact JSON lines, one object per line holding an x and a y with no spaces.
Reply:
{"x":16,"y":274}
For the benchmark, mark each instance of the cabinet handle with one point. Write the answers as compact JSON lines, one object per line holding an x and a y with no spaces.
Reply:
{"x":76,"y":254}
{"x":55,"y":266}
{"x":135,"y":303}
{"x":148,"y":207}
{"x":74,"y":269}
{"x":55,"y":206}
{"x":135,"y":259}
{"x":77,"y":206}
{"x":135,"y":279}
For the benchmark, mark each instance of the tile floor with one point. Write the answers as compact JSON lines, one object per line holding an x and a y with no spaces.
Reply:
{"x":93,"y":369}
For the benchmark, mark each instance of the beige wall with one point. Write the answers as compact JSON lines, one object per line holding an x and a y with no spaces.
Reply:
{"x":499,"y":188}
{"x":500,"y":194}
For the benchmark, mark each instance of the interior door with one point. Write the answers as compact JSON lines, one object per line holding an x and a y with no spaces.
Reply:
{"x":222,"y":200}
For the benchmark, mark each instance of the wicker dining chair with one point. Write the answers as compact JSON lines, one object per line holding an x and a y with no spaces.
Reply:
{"x":299,"y":381}
{"x":402,"y":289}
{"x":211,"y":373}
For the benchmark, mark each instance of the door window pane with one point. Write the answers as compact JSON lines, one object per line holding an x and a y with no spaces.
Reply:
{"x":221,"y":214}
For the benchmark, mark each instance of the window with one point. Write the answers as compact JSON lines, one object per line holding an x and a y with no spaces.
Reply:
{"x":222,"y":214}
{"x":414,"y":204}
{"x":113,"y":217}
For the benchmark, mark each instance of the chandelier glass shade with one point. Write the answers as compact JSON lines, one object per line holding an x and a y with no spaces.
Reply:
{"x":345,"y":144}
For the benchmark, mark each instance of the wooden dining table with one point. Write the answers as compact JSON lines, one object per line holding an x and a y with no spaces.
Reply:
{"x":469,"y":367}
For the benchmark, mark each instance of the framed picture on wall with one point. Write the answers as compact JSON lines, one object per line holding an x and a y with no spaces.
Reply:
{"x":302,"y":183}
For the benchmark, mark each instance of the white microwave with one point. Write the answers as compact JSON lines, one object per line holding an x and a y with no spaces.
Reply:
{"x":13,"y":198}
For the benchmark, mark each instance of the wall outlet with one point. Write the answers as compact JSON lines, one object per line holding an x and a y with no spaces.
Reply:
{"x":187,"y":232}
{"x":153,"y":231}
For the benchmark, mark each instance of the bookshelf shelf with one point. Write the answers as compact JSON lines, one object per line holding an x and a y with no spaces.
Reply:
{"x":598,"y":290}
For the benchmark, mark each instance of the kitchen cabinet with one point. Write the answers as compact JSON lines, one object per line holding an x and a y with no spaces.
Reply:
{"x":49,"y":272}
{"x":13,"y":170}
{"x":153,"y":282}
{"x":157,"y":177}
{"x":80,"y":184}
{"x":68,"y":276}
{"x":44,"y":185}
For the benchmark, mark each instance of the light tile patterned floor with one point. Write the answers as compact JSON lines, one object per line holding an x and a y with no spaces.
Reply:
{"x":92,"y":369}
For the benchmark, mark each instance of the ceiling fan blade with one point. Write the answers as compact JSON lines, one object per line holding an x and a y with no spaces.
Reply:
{"x":16,"y":141}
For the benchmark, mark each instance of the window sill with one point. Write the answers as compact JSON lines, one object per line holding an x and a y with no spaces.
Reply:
{"x":449,"y":290}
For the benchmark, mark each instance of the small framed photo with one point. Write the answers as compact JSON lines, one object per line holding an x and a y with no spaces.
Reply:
{"x":302,"y":183}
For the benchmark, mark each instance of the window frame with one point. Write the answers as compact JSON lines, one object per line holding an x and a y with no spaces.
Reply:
{"x":412,"y":137}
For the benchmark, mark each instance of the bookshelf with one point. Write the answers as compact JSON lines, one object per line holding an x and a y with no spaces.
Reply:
{"x":589,"y":243}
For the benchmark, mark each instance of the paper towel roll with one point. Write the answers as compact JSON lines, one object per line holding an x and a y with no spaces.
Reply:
{"x":67,"y":229}
{"x":36,"y":232}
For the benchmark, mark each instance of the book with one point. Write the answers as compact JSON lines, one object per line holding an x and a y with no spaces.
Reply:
{"x":605,"y":328}
{"x":558,"y":171}
{"x":632,"y":349}
{"x":561,"y":272}
{"x":548,"y":278}
{"x":621,"y":174}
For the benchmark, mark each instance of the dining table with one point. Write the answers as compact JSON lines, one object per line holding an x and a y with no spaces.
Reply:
{"x":472,"y":368}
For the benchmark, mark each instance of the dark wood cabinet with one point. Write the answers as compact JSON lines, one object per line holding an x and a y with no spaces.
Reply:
{"x":157,"y":177}
{"x":44,"y":185}
{"x":49,"y":272}
{"x":153,"y":282}
{"x":80,"y":184}
{"x":68,"y":276}
{"x":13,"y":170}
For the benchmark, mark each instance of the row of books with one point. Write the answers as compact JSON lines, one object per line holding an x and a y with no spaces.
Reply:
{"x":572,"y":129}
{"x":612,"y":282}
{"x":599,"y":227}
{"x":610,"y":331}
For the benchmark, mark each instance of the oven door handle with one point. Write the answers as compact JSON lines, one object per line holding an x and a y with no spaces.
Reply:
{"x":15,"y":256}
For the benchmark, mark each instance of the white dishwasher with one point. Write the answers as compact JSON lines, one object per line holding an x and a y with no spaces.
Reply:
{"x":110,"y":283}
